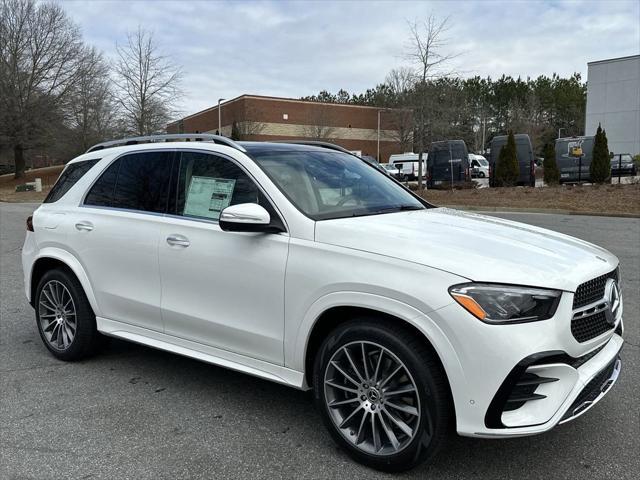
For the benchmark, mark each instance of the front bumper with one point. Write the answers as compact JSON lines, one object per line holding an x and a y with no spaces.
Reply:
{"x":571,"y":387}
{"x":486,"y":357}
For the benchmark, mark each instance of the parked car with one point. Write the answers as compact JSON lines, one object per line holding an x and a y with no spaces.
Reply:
{"x":305,"y":266}
{"x":448,"y":162}
{"x":573,"y":157}
{"x":524,"y":152}
{"x":622,"y":164}
{"x":410,"y":165}
{"x":394,"y":170}
{"x":479,"y":166}
{"x":374,"y":163}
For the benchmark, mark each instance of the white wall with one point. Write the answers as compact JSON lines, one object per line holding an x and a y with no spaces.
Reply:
{"x":613,"y":99}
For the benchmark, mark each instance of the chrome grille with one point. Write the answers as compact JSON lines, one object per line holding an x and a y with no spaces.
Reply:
{"x":593,"y":290}
{"x":591,"y":322}
{"x":592,"y":326}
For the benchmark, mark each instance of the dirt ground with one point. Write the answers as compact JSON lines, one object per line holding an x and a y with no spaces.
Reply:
{"x":597,"y":199}
{"x":8,"y":184}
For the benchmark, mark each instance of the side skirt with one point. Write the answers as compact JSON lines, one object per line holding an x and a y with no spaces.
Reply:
{"x":204,"y":353}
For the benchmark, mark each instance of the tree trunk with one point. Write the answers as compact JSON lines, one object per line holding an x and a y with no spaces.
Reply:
{"x":18,"y":158}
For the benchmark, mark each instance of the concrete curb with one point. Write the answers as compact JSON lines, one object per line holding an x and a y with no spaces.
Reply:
{"x":548,"y":211}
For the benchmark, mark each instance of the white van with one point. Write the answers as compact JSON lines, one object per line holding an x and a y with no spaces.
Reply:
{"x":409,"y":165}
{"x":479,"y":166}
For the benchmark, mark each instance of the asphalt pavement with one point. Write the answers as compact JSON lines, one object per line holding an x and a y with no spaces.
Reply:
{"x":139,"y":413}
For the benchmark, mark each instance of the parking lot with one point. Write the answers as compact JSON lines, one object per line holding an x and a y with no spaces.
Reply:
{"x":135,"y":412}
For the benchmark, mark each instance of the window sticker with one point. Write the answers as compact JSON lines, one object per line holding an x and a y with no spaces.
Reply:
{"x":207,"y":196}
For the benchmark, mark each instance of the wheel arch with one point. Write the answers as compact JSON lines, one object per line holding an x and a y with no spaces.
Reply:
{"x":432,"y":337}
{"x":56,"y":258}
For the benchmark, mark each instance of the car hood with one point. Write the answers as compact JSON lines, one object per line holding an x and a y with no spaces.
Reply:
{"x":477,"y":247}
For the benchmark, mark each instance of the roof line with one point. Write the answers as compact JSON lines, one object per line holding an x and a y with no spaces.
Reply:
{"x":613,"y":59}
{"x":281,"y":99}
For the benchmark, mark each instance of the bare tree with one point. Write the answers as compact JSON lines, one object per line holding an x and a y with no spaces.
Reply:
{"x":319,"y":123}
{"x":92,"y":106}
{"x":148,"y":84}
{"x":400,"y":83}
{"x":40,"y":54}
{"x":425,"y":50}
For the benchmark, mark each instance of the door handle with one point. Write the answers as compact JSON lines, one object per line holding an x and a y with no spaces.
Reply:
{"x":86,"y":226}
{"x":178,"y":241}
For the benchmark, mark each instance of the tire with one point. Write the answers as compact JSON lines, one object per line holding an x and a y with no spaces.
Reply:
{"x":481,"y":175}
{"x":424,"y":406}
{"x":57,"y":288}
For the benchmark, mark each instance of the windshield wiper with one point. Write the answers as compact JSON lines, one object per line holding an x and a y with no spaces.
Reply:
{"x":396,"y":208}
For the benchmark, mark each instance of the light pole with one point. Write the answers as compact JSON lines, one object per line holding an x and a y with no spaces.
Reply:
{"x":220,"y":116}
{"x":378,"y":155}
{"x":559,"y":130}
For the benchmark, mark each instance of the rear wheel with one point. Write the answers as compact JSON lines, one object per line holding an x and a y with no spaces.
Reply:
{"x":383,"y":396}
{"x":66,"y":322}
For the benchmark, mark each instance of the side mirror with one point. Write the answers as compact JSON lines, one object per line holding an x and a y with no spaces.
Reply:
{"x":246,"y":217}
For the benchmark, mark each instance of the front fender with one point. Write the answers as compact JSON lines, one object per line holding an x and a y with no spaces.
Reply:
{"x":424,"y":323}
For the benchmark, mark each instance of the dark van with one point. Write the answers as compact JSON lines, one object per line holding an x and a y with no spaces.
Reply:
{"x":569,"y":151}
{"x":524,"y":152}
{"x":448,"y":162}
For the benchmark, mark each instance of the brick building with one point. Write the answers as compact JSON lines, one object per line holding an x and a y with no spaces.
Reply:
{"x":353,"y":127}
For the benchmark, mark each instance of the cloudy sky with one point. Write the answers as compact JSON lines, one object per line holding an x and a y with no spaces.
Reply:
{"x":296,"y":48}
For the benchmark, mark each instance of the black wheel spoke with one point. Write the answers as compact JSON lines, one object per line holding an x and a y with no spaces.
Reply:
{"x":344,"y":374}
{"x":353,"y":365}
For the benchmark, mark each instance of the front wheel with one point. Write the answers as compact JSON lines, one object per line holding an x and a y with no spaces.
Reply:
{"x":382,"y":395}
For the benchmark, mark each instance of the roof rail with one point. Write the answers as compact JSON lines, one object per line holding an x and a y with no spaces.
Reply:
{"x":316,"y":143}
{"x":198,"y":137}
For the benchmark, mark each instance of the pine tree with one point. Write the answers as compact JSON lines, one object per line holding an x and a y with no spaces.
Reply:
{"x":551,"y":172}
{"x":508,"y":169}
{"x":600,"y":168}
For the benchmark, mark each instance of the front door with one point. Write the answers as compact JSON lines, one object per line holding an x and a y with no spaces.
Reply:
{"x":222,"y":289}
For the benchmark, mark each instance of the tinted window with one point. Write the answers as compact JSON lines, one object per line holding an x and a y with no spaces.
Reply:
{"x":138,"y":181}
{"x":68,"y":179}
{"x":143,"y":181}
{"x":101,"y":194}
{"x":207,"y":184}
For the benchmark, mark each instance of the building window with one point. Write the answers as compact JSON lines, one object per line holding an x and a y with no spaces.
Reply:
{"x":285,"y":116}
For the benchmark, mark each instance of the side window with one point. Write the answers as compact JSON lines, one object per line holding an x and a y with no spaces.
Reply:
{"x":207,"y":184}
{"x":68,"y":179}
{"x":139,"y":181}
{"x":101,"y":193}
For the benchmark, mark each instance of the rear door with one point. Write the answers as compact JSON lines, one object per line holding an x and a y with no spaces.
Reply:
{"x":115,"y":234}
{"x":439,"y":164}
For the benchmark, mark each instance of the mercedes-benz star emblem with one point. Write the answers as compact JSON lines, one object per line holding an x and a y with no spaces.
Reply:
{"x":612,"y":297}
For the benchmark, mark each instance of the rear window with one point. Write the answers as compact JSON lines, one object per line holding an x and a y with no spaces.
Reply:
{"x":68,"y":179}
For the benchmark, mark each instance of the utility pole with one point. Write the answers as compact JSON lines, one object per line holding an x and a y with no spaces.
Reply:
{"x":220,"y":116}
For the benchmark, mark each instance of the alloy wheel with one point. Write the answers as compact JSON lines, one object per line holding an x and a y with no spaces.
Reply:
{"x":372,"y":398}
{"x":57,"y":315}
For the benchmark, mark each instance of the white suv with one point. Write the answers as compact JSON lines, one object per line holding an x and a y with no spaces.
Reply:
{"x":306,"y":266}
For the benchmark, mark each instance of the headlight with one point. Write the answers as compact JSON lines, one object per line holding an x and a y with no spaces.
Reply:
{"x":493,"y":303}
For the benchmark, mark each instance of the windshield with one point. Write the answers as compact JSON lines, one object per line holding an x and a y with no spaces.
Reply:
{"x":483,"y":162}
{"x":325,"y":185}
